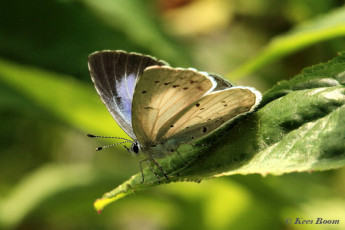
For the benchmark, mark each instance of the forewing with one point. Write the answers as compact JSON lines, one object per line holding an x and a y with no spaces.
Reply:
{"x":161,"y":93}
{"x":209,"y":113}
{"x":114,"y":74}
{"x":221,"y":83}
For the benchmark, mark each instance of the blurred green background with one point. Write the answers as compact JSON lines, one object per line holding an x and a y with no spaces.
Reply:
{"x":50,"y":173}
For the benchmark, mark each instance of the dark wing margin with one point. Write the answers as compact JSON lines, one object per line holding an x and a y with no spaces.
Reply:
{"x":114,"y":74}
{"x":221,"y":83}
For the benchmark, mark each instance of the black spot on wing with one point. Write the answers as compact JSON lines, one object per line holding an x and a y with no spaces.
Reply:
{"x":193,"y":81}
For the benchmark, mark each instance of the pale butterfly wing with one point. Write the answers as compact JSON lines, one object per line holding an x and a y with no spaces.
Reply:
{"x":114,"y":74}
{"x":163,"y":92}
{"x":209,"y":113}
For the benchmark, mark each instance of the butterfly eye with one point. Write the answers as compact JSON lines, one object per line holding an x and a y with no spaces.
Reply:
{"x":135,"y":147}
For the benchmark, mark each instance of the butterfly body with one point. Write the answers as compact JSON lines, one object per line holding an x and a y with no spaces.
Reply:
{"x":161,"y":107}
{"x":160,"y":150}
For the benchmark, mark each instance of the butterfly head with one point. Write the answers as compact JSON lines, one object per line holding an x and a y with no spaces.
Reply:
{"x":135,"y":148}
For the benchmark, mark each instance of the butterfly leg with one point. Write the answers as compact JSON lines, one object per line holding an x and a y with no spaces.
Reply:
{"x":158,"y":178}
{"x":146,"y":160}
{"x":127,"y":148}
{"x":160,"y":167}
{"x":141,"y":169}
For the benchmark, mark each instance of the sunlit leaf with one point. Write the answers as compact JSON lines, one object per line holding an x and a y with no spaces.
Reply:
{"x":298,"y":127}
{"x":325,"y":27}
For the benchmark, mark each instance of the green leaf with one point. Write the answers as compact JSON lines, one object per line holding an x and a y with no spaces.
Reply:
{"x":323,"y":28}
{"x":67,"y":99}
{"x":41,"y":184}
{"x":298,"y":127}
{"x":135,"y":19}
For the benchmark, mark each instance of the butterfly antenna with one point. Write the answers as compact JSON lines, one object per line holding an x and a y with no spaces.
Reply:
{"x":94,"y":136}
{"x":107,"y":146}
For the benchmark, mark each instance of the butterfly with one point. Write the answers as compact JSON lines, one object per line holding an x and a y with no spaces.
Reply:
{"x":161,"y":107}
